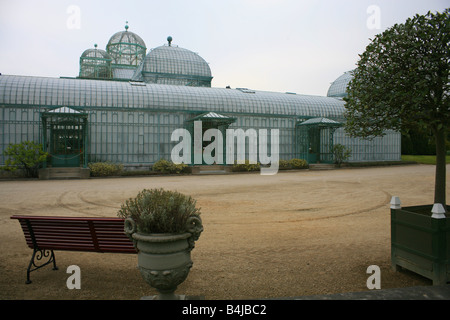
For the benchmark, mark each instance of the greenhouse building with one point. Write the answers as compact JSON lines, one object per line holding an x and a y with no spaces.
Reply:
{"x":126,"y":102}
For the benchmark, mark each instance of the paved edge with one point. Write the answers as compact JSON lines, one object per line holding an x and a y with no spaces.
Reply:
{"x":409,"y":293}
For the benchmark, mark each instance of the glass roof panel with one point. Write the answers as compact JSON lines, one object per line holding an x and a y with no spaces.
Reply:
{"x":85,"y":94}
{"x":338,"y":88}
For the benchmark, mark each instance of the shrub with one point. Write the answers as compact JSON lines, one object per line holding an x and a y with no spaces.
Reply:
{"x":160,"y":211}
{"x":27,"y":155}
{"x":104,"y":169}
{"x":165,"y":166}
{"x":247,"y":166}
{"x":298,"y":164}
{"x":341,"y":153}
{"x":284,"y":165}
{"x":292,"y":164}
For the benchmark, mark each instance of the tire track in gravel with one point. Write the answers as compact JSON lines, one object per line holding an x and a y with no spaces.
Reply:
{"x":364,"y":210}
{"x":386,"y":201}
{"x":95,"y":203}
{"x":62,"y":204}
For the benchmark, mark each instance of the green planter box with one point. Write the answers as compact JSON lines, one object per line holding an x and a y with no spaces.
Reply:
{"x":421,"y":243}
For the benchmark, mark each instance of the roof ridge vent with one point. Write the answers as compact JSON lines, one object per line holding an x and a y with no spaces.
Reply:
{"x":246,"y":90}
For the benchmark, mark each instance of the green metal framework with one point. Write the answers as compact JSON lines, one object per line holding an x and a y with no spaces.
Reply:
{"x":64,"y":133}
{"x":127,"y":51}
{"x":95,"y":64}
{"x":338,"y":89}
{"x":126,"y":48}
{"x":174,"y":66}
{"x":315,"y":139}
{"x":132,"y":123}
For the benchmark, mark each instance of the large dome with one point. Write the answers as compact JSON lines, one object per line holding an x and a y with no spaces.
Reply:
{"x":95,"y":63}
{"x":169,"y":64}
{"x":126,"y":48}
{"x":338,"y":89}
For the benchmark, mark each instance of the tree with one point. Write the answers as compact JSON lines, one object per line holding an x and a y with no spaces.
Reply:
{"x":402,"y":82}
{"x":27,"y":155}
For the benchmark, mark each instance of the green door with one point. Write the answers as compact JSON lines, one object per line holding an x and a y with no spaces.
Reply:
{"x":66,"y":144}
{"x":314,"y":145}
{"x":314,"y":139}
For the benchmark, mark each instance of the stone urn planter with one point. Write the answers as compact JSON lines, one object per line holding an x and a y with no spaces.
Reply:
{"x":163,"y":226}
{"x":420,"y":240}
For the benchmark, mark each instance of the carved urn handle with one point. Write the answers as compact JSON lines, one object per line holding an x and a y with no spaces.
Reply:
{"x":129,"y":226}
{"x":195,"y":227}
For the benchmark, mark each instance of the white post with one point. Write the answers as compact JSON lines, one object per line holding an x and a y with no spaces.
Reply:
{"x":395,"y":203}
{"x":438,"y":211}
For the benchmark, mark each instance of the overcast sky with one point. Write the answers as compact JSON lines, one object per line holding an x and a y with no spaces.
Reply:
{"x":274,"y":45}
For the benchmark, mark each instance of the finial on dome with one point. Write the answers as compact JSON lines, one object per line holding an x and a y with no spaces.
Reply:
{"x":126,"y":26}
{"x":169,"y":39}
{"x":95,"y":45}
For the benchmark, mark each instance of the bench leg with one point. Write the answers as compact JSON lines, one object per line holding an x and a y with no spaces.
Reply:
{"x":35,"y":263}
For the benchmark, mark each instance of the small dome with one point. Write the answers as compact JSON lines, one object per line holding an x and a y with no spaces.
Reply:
{"x":126,"y":48}
{"x":169,"y":64}
{"x":95,"y":63}
{"x":338,"y":89}
{"x":95,"y":54}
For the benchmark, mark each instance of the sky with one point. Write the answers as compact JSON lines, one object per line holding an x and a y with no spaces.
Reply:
{"x":271,"y":45}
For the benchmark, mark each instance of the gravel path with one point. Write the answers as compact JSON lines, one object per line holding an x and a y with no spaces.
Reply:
{"x":292,"y":234}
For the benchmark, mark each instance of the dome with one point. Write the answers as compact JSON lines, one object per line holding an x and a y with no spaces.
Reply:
{"x":169,"y":64}
{"x":338,"y":89}
{"x":95,"y":63}
{"x":126,"y":49}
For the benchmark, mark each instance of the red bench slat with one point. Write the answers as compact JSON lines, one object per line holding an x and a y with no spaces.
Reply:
{"x":72,"y":234}
{"x":76,"y":233}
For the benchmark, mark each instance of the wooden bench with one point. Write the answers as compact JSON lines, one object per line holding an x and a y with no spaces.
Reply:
{"x":45,"y":234}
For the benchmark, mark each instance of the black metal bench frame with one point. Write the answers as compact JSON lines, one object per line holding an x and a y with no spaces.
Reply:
{"x":44,"y":234}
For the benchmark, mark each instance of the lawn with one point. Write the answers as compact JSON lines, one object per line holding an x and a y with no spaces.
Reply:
{"x":423,"y":159}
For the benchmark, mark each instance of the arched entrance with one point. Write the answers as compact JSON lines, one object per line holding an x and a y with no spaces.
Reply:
{"x":65,"y":137}
{"x":314,"y":139}
{"x":209,"y":120}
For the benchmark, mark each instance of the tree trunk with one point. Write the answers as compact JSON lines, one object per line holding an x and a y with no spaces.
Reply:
{"x":440,"y":179}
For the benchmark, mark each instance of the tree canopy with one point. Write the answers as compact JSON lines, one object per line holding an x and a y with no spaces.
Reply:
{"x":402,"y":82}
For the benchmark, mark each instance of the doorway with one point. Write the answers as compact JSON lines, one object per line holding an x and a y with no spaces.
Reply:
{"x":209,"y":120}
{"x":314,"y":139}
{"x":65,"y":137}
